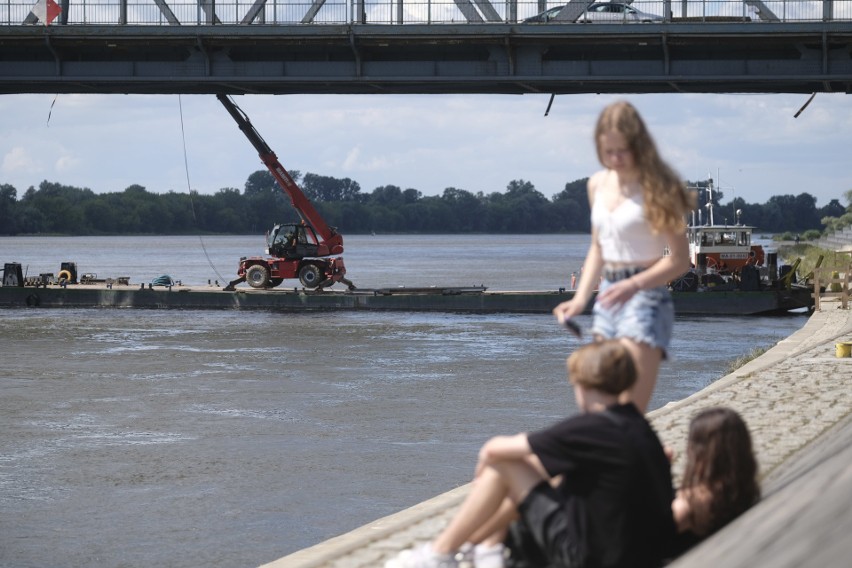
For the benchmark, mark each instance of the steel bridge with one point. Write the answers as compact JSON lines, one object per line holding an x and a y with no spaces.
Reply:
{"x":422,"y":46}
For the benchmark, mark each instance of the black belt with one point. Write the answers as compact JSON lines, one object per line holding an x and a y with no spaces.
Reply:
{"x":621,"y":273}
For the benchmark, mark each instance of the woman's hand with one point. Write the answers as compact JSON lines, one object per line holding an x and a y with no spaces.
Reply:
{"x":618,"y":293}
{"x":567,"y":310}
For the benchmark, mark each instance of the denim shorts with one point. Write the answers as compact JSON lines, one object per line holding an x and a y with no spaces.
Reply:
{"x":647,"y":317}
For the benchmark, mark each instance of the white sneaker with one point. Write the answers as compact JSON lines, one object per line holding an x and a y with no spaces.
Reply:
{"x":422,"y":557}
{"x":489,"y":556}
{"x":465,"y":556}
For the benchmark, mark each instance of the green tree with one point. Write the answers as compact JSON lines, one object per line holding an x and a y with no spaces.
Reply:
{"x":230,"y":211}
{"x":468,"y":211}
{"x":528,"y":207}
{"x":8,"y":209}
{"x":833,"y":209}
{"x":571,"y":207}
{"x":411,"y":195}
{"x":268,"y":204}
{"x":387,"y":195}
{"x":100,"y":217}
{"x":61,"y":207}
{"x":325,"y":188}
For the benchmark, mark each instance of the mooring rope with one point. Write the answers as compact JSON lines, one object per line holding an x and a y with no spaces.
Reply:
{"x":189,"y":188}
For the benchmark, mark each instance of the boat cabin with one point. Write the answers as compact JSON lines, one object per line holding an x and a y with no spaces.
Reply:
{"x":723,"y":247}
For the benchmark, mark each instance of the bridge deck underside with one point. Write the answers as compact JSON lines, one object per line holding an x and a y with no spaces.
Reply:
{"x":510,"y":59}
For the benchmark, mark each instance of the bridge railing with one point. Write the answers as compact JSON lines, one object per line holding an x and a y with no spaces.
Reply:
{"x":288,"y":12}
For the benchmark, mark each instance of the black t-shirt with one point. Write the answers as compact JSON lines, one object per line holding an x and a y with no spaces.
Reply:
{"x":614,"y":462}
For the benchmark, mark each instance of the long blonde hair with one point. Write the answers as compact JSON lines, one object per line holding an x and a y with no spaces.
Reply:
{"x":667,"y":200}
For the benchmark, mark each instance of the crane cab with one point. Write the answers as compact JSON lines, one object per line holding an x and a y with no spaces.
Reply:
{"x":292,"y":241}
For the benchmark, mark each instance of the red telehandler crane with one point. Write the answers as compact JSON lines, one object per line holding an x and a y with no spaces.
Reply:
{"x":306,"y":250}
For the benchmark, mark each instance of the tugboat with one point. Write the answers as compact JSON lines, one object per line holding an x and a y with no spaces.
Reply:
{"x":724,"y":258}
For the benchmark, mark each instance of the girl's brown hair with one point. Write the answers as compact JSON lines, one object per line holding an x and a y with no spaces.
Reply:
{"x":667,"y":200}
{"x":719,"y":460}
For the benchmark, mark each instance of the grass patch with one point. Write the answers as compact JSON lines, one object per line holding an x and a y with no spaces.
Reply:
{"x":809,"y":254}
{"x":735,"y":364}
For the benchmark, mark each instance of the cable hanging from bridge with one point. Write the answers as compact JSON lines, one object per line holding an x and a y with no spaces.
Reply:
{"x":189,"y":188}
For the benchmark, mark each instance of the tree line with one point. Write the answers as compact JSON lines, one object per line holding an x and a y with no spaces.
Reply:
{"x":59,"y":209}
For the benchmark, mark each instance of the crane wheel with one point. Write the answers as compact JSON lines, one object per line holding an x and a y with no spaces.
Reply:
{"x":257,"y":276}
{"x":310,"y":275}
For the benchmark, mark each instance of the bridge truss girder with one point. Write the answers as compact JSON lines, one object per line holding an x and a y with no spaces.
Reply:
{"x":473,"y":11}
{"x":489,"y":58}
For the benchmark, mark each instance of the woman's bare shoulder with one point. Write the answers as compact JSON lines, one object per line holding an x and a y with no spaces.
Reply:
{"x":596,"y":181}
{"x":597,"y":178}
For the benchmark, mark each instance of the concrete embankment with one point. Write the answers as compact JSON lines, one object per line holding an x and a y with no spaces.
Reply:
{"x":797,"y":401}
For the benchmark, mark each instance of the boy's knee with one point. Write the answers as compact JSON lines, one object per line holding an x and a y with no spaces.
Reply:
{"x":518,"y":476}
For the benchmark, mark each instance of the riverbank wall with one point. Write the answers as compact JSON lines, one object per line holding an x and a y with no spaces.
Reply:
{"x":797,"y":401}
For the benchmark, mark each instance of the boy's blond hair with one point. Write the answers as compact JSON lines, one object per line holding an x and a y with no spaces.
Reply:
{"x":606,"y":366}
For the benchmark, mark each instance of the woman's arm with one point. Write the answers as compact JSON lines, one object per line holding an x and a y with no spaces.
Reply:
{"x":589,"y":278}
{"x":666,"y":269}
{"x":591,"y":273}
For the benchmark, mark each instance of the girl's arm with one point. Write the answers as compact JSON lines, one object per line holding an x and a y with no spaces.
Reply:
{"x":591,"y":273}
{"x":681,"y":512}
{"x":691,"y":509}
{"x":589,"y":278}
{"x":666,"y":269}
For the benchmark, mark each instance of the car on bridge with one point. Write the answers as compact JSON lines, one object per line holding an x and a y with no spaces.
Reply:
{"x":599,"y":12}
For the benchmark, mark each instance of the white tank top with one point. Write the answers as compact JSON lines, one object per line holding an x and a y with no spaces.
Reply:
{"x":624,"y":235}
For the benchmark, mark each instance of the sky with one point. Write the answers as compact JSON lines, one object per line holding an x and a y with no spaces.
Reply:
{"x":750,"y":144}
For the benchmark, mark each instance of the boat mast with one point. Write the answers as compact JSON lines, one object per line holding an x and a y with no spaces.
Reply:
{"x":710,"y":200}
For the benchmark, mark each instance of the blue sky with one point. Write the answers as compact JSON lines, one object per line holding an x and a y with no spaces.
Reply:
{"x":751,"y":144}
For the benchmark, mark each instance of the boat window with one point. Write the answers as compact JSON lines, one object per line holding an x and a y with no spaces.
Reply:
{"x":744,"y":238}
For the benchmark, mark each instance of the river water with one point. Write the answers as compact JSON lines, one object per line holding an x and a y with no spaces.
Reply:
{"x":218,"y":438}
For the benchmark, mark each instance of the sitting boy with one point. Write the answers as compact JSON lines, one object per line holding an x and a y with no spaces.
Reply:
{"x":592,"y":490}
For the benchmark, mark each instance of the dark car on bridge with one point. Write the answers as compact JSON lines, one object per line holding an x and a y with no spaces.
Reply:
{"x":599,"y":12}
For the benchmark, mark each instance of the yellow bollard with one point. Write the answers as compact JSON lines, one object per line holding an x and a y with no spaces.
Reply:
{"x":843,"y":349}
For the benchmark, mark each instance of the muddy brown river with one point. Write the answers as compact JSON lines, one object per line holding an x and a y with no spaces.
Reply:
{"x":184,"y":439}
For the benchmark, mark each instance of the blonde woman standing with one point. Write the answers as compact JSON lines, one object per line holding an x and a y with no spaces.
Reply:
{"x":638,"y":206}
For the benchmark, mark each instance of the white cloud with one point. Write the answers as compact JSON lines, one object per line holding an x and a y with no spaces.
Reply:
{"x":354,"y":162}
{"x":66,"y":162}
{"x":18,"y":160}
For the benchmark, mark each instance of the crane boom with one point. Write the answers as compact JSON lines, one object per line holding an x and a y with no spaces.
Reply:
{"x":331,"y":242}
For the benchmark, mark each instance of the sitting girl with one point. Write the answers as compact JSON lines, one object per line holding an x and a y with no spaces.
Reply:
{"x":720,"y":476}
